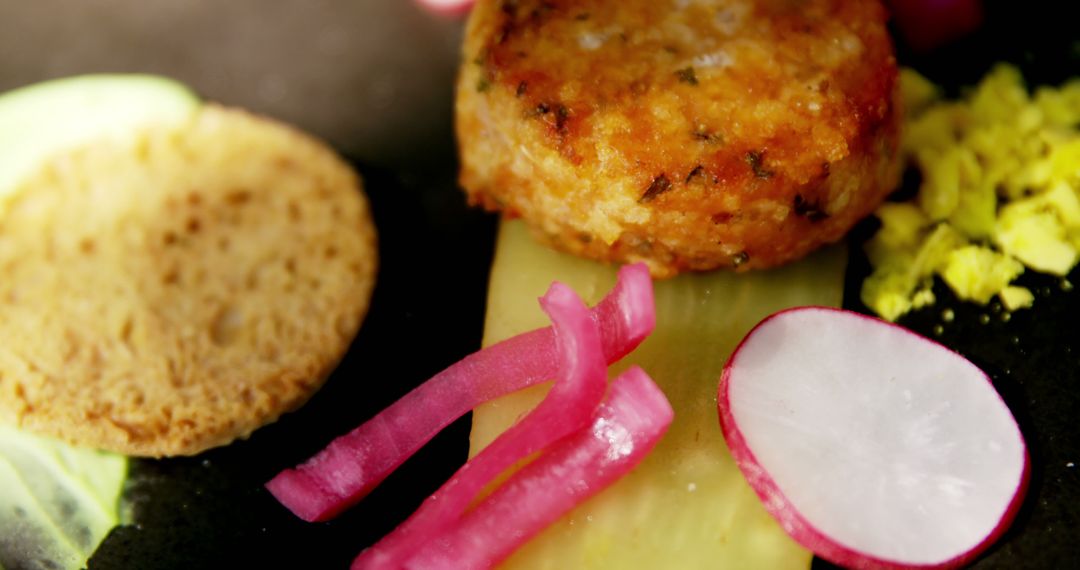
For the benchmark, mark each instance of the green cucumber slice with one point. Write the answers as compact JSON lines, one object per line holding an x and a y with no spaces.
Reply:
{"x":41,"y":119}
{"x":56,"y":502}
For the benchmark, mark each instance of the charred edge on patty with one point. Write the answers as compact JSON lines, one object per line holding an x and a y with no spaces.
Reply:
{"x":540,"y":110}
{"x":755,"y":159}
{"x":702,"y":133}
{"x":739,"y":259}
{"x":511,"y":22}
{"x":509,"y":12}
{"x":659,"y":185}
{"x":487,"y":75}
{"x":687,"y":75}
{"x":562,"y":113}
{"x":722,"y":218}
{"x":808,"y":209}
{"x":544,"y":109}
{"x":697,"y":171}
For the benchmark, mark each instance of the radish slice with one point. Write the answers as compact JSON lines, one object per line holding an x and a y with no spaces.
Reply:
{"x":872,"y":446}
{"x":623,"y":431}
{"x":354,"y":464}
{"x":567,"y":408}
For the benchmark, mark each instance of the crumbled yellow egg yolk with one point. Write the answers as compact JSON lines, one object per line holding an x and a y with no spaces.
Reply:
{"x":1000,"y":192}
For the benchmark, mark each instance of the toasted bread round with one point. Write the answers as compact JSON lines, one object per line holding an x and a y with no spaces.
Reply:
{"x":174,"y":291}
{"x":691,"y":135}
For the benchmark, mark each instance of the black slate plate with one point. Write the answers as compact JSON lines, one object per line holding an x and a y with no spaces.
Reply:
{"x":212,"y":512}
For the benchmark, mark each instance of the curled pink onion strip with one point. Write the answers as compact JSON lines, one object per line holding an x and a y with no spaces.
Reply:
{"x":355,"y":463}
{"x":625,"y":428}
{"x":568,"y":407}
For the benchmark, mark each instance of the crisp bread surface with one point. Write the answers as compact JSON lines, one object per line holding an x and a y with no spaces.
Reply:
{"x":175,"y":290}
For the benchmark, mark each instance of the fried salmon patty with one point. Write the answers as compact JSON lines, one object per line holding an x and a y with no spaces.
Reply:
{"x":691,"y":135}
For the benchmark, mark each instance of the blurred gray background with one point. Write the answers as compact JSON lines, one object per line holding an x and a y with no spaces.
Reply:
{"x":374,"y":77}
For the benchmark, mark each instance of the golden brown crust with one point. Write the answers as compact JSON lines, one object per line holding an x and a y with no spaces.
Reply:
{"x":691,"y":135}
{"x":176,"y":290}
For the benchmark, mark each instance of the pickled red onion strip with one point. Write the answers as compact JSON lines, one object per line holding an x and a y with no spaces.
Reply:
{"x":624,"y":429}
{"x":354,"y":464}
{"x":567,"y":408}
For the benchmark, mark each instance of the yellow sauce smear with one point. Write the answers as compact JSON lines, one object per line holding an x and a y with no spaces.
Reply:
{"x":687,"y":505}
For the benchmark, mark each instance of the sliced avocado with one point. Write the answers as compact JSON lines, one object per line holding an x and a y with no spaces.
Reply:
{"x":39,"y":120}
{"x":687,"y":505}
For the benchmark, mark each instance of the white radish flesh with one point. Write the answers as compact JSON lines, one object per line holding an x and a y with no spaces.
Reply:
{"x":872,"y":446}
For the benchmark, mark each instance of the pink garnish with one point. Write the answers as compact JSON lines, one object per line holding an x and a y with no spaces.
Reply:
{"x":870,"y":445}
{"x":567,"y":408}
{"x":928,"y":24}
{"x":354,"y":464}
{"x":624,"y":429}
{"x":447,"y":7}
